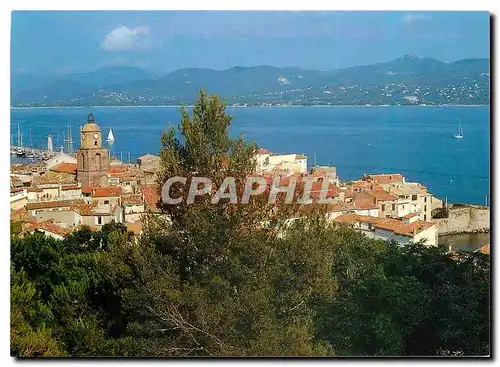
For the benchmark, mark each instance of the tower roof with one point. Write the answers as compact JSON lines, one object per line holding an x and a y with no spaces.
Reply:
{"x":91,"y":124}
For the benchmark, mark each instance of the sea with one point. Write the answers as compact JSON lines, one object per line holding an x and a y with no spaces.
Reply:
{"x":417,"y":141}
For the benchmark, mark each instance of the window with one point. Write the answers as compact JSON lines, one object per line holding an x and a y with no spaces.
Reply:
{"x":106,"y":201}
{"x":383,"y":207}
{"x":425,"y":199}
{"x":393,"y":207}
{"x":414,"y":197}
{"x":425,"y":217}
{"x":95,"y":142}
{"x":99,"y":220}
{"x":425,"y":208}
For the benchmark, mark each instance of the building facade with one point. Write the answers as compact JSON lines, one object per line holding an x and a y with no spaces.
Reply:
{"x":92,"y":158}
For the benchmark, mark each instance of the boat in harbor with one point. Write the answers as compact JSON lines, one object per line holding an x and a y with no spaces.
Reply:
{"x":460,"y":134}
{"x":20,"y":152}
{"x":110,"y":138}
{"x":30,"y":154}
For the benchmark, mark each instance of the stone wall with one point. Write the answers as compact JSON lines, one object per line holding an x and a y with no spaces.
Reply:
{"x":464,"y":219}
{"x":436,"y":203}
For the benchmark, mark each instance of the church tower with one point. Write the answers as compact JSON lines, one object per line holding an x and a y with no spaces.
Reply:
{"x":92,"y":158}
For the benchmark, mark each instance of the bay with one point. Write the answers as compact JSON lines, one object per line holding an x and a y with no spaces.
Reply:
{"x":416,"y":141}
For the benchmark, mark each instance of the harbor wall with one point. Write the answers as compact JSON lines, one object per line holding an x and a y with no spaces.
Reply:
{"x":464,"y":219}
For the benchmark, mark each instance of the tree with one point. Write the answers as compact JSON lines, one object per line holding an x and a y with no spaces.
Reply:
{"x":411,"y":300}
{"x":214,"y":280}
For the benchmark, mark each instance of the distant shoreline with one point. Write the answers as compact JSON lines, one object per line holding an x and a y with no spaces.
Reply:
{"x":231,"y":106}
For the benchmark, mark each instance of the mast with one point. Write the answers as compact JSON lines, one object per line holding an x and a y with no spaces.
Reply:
{"x":31,"y":140}
{"x":19,"y":144}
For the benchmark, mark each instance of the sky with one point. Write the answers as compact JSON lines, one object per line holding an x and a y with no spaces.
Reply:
{"x":59,"y":42}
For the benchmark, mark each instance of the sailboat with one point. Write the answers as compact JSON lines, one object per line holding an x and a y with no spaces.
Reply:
{"x":111,"y":138}
{"x":460,"y":134}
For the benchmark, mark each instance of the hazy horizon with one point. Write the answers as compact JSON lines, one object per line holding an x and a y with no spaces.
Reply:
{"x":164,"y":41}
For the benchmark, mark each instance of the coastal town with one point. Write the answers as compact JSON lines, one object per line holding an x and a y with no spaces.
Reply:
{"x":59,"y":194}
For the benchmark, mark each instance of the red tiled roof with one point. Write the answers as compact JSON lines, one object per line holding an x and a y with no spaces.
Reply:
{"x":394,"y":225}
{"x":317,"y":190}
{"x":86,"y":189}
{"x":49,"y":226}
{"x":135,"y":227}
{"x":18,"y":213}
{"x":53,"y":204}
{"x":133,"y":199}
{"x":116,"y":169}
{"x":382,"y":195}
{"x":65,"y":168}
{"x":263,"y":151}
{"x":110,"y":191}
{"x":411,"y":215}
{"x":151,"y":195}
{"x":386,"y":178}
{"x":84,"y":209}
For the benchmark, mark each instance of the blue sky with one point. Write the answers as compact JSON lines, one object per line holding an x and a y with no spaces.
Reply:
{"x":67,"y":41}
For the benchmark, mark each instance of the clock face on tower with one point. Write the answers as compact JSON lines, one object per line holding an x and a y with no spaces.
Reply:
{"x":96,"y":136}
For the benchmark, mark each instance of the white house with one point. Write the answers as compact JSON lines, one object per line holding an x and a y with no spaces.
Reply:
{"x":58,"y":159}
{"x":411,"y":228}
{"x":267,"y":161}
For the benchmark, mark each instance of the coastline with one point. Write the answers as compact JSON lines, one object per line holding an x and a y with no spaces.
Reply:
{"x":231,"y":106}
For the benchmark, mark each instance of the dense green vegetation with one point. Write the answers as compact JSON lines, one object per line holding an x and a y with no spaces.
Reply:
{"x":214,"y":281}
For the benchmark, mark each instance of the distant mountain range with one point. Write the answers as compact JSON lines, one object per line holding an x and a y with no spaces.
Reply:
{"x":406,"y":80}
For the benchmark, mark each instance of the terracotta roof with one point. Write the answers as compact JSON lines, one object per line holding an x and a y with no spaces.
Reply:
{"x":116,"y":169}
{"x":382,"y":195}
{"x":151,"y":196}
{"x":300,"y":156}
{"x":263,"y":151}
{"x":411,"y":215}
{"x":49,"y":226}
{"x":394,"y":225}
{"x":485,"y":249}
{"x":55,"y":178}
{"x":86,"y":189}
{"x":386,"y":178}
{"x":133,"y":199}
{"x":65,"y":168}
{"x":110,"y":191}
{"x":84,"y":209}
{"x":53,"y":204}
{"x":18,"y":213}
{"x":317,"y":190}
{"x":135,"y":227}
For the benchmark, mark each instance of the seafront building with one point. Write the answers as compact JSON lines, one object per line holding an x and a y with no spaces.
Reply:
{"x":64,"y":192}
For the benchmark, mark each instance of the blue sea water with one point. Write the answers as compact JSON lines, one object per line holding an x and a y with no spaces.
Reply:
{"x":416,"y":141}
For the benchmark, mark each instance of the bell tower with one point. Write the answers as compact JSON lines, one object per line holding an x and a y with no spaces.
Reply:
{"x":92,"y":158}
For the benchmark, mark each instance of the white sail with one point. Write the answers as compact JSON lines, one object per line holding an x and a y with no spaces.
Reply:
{"x":111,"y":138}
{"x":460,"y":134}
